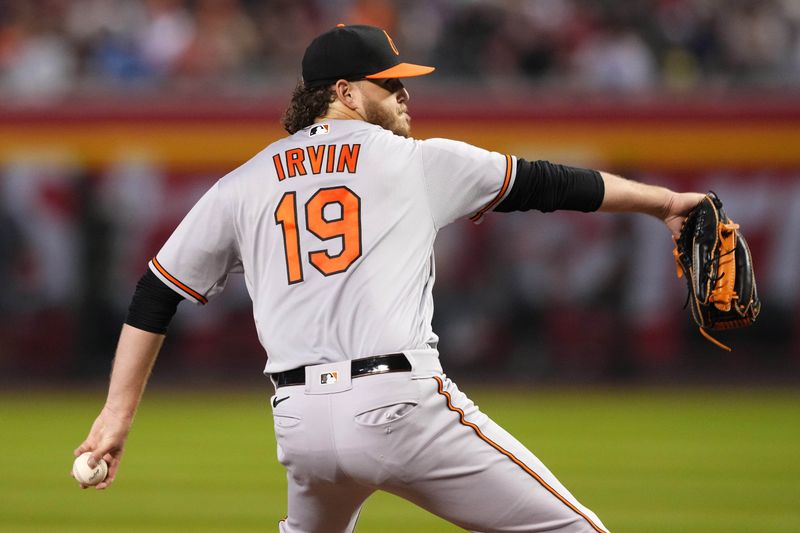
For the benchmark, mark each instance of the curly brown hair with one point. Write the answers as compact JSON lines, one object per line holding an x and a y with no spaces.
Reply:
{"x":306,"y":105}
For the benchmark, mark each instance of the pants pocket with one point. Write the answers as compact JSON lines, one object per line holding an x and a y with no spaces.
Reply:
{"x":285,"y":437}
{"x":386,"y":414}
{"x":285,"y":421}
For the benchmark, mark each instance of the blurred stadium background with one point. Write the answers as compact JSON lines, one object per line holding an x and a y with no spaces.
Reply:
{"x":115,"y":116}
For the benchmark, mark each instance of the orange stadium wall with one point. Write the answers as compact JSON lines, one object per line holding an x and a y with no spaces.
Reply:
{"x":90,"y":191}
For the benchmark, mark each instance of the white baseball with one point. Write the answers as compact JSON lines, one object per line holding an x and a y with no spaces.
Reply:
{"x":87,"y":475}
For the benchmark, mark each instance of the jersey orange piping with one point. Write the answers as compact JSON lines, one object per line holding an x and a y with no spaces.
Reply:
{"x":194,"y":294}
{"x":510,"y":455}
{"x":496,"y":199}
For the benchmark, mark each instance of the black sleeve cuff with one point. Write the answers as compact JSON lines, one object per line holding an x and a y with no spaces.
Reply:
{"x":153,"y":305}
{"x":549,"y":187}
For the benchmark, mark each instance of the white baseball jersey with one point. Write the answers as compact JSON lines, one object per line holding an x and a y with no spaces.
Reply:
{"x":333,"y":228}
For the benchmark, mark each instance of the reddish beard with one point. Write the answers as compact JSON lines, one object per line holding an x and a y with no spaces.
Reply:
{"x":387,"y":119}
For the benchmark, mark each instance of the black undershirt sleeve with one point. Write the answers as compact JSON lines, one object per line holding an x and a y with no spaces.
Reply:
{"x":547,"y":187}
{"x":153,"y":305}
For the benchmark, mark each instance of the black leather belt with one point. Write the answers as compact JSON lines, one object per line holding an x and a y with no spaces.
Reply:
{"x":378,"y":364}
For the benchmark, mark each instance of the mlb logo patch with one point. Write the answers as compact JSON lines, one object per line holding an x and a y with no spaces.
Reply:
{"x":329,"y":378}
{"x":319,"y":129}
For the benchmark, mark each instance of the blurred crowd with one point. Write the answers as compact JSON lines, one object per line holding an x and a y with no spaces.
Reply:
{"x":52,"y":48}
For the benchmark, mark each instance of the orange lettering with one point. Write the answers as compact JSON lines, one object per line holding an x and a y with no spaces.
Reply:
{"x":331,"y":158}
{"x":294,"y":162}
{"x":315,"y":155}
{"x":278,"y":166}
{"x":348,"y":157}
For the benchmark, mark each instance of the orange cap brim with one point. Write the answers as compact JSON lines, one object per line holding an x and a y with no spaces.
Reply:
{"x":403,"y":70}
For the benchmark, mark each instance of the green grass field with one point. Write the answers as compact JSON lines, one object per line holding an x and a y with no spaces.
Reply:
{"x":682,"y":460}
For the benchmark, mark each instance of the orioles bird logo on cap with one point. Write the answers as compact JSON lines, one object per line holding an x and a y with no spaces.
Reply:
{"x":391,"y":43}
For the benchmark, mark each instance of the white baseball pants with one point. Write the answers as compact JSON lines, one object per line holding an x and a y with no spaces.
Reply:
{"x":413,"y":434}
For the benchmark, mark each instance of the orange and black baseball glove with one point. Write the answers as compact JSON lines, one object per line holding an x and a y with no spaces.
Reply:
{"x":715,"y":259}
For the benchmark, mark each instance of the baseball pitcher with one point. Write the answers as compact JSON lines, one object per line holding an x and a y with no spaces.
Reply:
{"x":333,"y":228}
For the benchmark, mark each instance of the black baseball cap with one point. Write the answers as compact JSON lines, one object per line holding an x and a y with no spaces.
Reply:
{"x":354,"y":53}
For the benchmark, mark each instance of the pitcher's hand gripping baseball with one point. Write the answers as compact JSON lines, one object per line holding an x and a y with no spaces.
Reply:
{"x":106,"y":440}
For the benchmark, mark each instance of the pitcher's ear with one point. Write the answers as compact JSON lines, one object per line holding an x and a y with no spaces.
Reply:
{"x":345,"y":92}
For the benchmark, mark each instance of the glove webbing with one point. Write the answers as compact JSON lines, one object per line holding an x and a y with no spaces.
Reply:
{"x":722,"y":294}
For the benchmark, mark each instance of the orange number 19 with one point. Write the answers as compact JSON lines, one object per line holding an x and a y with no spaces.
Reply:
{"x":346,"y":226}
